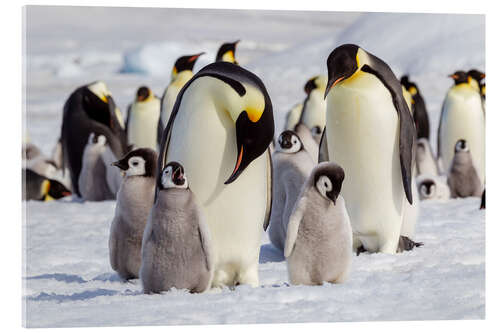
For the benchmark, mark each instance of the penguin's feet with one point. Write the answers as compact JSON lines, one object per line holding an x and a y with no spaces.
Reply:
{"x":406,"y":244}
{"x":360,"y":249}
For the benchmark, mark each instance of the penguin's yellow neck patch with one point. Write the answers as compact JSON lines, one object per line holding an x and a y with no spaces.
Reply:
{"x":228,"y":56}
{"x":412,"y":91}
{"x":254,"y":114}
{"x":45,"y":190}
{"x":253,"y":103}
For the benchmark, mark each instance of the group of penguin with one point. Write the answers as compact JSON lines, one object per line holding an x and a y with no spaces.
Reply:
{"x":346,"y":174}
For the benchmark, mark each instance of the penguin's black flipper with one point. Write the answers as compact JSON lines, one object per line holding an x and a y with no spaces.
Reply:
{"x":406,"y":244}
{"x":270,"y":175}
{"x":323,"y":149}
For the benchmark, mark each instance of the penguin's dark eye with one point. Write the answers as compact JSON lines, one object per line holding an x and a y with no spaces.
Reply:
{"x":326,"y":185}
{"x":135,"y":163}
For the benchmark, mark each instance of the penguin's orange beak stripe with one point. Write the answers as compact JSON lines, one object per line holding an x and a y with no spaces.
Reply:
{"x":337,"y":81}
{"x":238,"y":163}
{"x":453,"y":76}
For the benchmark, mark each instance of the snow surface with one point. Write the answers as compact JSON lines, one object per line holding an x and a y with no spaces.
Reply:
{"x":67,"y":277}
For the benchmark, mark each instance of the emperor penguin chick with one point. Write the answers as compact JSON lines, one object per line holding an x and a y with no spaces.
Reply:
{"x":463,"y":179}
{"x":319,"y":239}
{"x":176,"y":246}
{"x":134,"y":201}
{"x":292,"y":164}
{"x":432,"y":188}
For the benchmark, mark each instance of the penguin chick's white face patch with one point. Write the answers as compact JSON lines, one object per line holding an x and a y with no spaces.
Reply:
{"x":167,"y":182}
{"x":288,"y":143}
{"x":136,"y":166}
{"x":324,"y":185}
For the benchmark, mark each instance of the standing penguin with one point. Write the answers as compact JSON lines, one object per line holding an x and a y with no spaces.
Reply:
{"x":293,"y":117}
{"x":426,"y":162}
{"x":420,"y":115}
{"x":432,"y":188}
{"x":181,"y":73}
{"x":133,"y":203}
{"x":142,"y":119}
{"x":227,"y":52}
{"x":319,"y":238}
{"x":38,"y":187}
{"x":224,"y":117}
{"x":314,"y":111}
{"x":370,"y":132}
{"x":292,"y":164}
{"x":462,"y":117}
{"x":477,"y":79}
{"x":176,"y":247}
{"x":89,"y":109}
{"x":463,"y":178}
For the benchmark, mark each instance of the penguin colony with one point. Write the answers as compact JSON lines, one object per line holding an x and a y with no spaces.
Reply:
{"x":190,"y":215}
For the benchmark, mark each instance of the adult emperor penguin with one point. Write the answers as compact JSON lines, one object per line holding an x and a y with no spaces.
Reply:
{"x":133,"y":203}
{"x":370,"y":132}
{"x":314,"y":111}
{"x":463,"y":179}
{"x":319,"y":237}
{"x":477,"y":78}
{"x":142,"y":119}
{"x":220,"y":129}
{"x":227,"y":52}
{"x":181,"y":74}
{"x":89,"y":109}
{"x":38,"y":187}
{"x":419,"y":109}
{"x":462,"y":117}
{"x":292,"y":164}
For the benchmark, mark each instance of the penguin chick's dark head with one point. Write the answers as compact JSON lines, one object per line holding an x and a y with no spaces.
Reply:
{"x":289,"y":142}
{"x":328,"y":178}
{"x":341,"y":63}
{"x":427,"y":188}
{"x":461,"y":145}
{"x":227,"y":52}
{"x":173,"y":176}
{"x":459,"y":77}
{"x":476,"y":75}
{"x":185,"y":63}
{"x":139,"y":162}
{"x":142,"y":94}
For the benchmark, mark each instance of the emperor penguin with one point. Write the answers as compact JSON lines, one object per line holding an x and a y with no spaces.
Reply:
{"x":477,"y":79}
{"x":293,"y":117}
{"x":370,"y":132}
{"x":227,"y":52}
{"x":89,"y":109}
{"x":292,"y":164}
{"x":182,"y":72}
{"x":142,"y":119}
{"x":426,"y":162}
{"x":432,"y":187}
{"x":314,"y":111}
{"x":176,"y":247}
{"x":133,"y":203}
{"x":319,"y":238}
{"x":220,"y":130}
{"x":462,"y":118}
{"x":38,"y":187}
{"x":420,"y":115}
{"x":463,"y":178}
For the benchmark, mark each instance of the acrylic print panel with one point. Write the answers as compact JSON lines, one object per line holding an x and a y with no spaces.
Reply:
{"x":68,"y":278}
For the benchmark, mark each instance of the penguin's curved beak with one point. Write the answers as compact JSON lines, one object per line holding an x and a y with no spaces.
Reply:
{"x":194,"y":57}
{"x":453,"y":76}
{"x":332,"y":83}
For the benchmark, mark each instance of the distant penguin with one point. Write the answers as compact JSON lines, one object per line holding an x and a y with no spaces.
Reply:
{"x":314,"y":111}
{"x":420,"y":115}
{"x":462,"y":117}
{"x":432,"y":187}
{"x":293,"y":117}
{"x":227,"y":52}
{"x":181,"y":74}
{"x":176,"y":247}
{"x":89,"y":109}
{"x":463,"y":178}
{"x":38,"y":187}
{"x":292,"y":164}
{"x":319,"y":238}
{"x":477,"y":79}
{"x":142,"y":119}
{"x":426,"y":162}
{"x":370,"y":132}
{"x":133,"y":203}
{"x":308,"y":141}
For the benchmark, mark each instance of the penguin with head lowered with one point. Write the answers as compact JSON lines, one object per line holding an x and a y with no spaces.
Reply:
{"x":313,"y":114}
{"x":223,"y":119}
{"x":133,"y":203}
{"x":89,"y":109}
{"x":319,"y":238}
{"x":420,"y":115}
{"x":182,"y":72}
{"x":176,"y":247}
{"x":227,"y":52}
{"x":463,"y":178}
{"x":38,"y":187}
{"x":370,"y":132}
{"x":142,"y":119}
{"x":292,"y":164}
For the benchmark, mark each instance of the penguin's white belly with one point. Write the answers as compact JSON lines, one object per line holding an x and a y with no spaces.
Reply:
{"x":204,"y":143}
{"x":315,"y":112}
{"x":293,"y":117}
{"x":363,"y":138}
{"x":143,"y":125}
{"x":168,"y":103}
{"x":463,"y":118}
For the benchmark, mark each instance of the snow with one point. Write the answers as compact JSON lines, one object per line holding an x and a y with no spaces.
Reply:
{"x":67,"y":277}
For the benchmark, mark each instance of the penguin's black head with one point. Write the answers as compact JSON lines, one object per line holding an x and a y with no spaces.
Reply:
{"x":310,"y":85}
{"x":409,"y":85}
{"x":476,"y":75}
{"x":52,"y":189}
{"x":342,"y":63}
{"x":427,"y":188}
{"x":328,"y":178}
{"x":138,"y":162}
{"x":459,"y":77}
{"x":173,"y":176}
{"x":185,"y":63}
{"x":289,"y":142}
{"x":227,"y":52}
{"x":142,"y":93}
{"x":461,"y":145}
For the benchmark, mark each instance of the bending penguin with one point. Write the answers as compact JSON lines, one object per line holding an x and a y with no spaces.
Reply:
{"x":314,"y":111}
{"x":220,"y":129}
{"x":319,"y":238}
{"x":463,"y":178}
{"x":462,"y":118}
{"x":176,"y":248}
{"x":420,"y":115}
{"x":133,"y":203}
{"x":89,"y":109}
{"x":227,"y":52}
{"x":370,"y":132}
{"x":142,"y":119}
{"x":292,"y":164}
{"x":181,"y":73}
{"x":38,"y":187}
